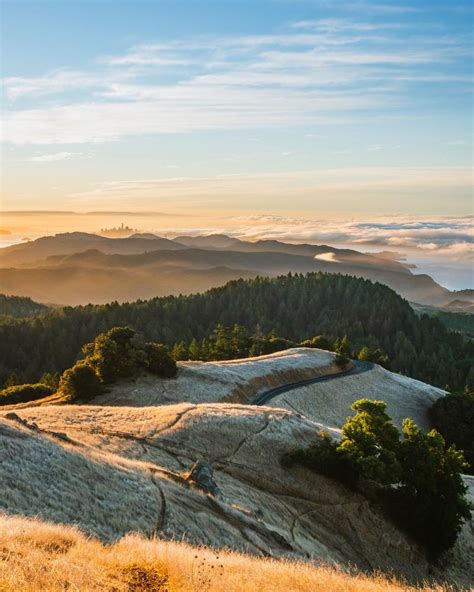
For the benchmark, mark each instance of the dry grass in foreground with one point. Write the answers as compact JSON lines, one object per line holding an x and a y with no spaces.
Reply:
{"x":43,"y":556}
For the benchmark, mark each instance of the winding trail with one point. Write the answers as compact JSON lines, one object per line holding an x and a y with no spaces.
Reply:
{"x":266,"y":396}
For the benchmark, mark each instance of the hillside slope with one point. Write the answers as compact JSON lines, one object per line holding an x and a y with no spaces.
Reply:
{"x":133,"y":462}
{"x":115,"y":469}
{"x":240,"y":381}
{"x":45,"y":556}
{"x":329,"y":403}
{"x":236,"y":381}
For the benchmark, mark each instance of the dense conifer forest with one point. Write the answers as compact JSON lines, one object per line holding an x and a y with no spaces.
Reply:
{"x":18,"y":306}
{"x":290,"y":309}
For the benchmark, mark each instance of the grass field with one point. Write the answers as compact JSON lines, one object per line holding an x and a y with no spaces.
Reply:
{"x":42,"y":556}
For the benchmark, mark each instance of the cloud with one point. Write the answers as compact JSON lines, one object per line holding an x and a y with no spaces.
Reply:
{"x":173,"y":110}
{"x":331,"y":257}
{"x":324,"y":71}
{"x":57,"y":82}
{"x":457,"y":143}
{"x":449,"y":238}
{"x":55,"y":157}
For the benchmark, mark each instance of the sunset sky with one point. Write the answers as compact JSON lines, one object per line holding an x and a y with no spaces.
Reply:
{"x":301,"y":109}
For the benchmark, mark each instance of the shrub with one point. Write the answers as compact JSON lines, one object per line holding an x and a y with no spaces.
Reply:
{"x":50,"y":379}
{"x":417,"y":479}
{"x":374,"y":355}
{"x":341,"y":360}
{"x":275,"y":344}
{"x":113,"y":354}
{"x":453,"y":417}
{"x":429,"y":501}
{"x":80,"y":382}
{"x":24,"y":392}
{"x":117,"y":354}
{"x":342,"y":346}
{"x":158,"y":360}
{"x":323,"y":457}
{"x":319,"y":342}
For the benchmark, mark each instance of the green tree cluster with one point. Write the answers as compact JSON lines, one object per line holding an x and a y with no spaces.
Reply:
{"x":114,"y":355}
{"x":453,"y":416}
{"x":230,"y":343}
{"x":376,"y":356}
{"x":80,"y":382}
{"x":295,"y":307}
{"x":418,"y":480}
{"x":20,"y":307}
{"x":24,"y":392}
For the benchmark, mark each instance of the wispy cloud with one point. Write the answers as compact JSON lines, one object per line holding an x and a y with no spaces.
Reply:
{"x":317,"y":72}
{"x":299,"y":184}
{"x":55,"y":157}
{"x":58,"y":82}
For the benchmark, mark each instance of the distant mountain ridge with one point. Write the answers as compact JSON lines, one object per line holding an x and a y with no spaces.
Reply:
{"x":75,"y":242}
{"x":78,"y":267}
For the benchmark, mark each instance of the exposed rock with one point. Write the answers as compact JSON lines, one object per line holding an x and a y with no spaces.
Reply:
{"x":14,"y":417}
{"x":201,"y":475}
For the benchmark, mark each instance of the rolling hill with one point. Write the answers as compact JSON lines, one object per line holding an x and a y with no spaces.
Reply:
{"x":78,"y":268}
{"x":119,"y":469}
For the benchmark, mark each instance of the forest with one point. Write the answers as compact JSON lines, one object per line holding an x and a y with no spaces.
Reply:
{"x":294,"y":308}
{"x":19,"y":306}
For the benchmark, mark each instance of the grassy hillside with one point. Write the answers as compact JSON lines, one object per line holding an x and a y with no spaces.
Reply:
{"x":43,"y":556}
{"x":296,"y":307}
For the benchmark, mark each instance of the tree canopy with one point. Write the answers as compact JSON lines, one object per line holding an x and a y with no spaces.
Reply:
{"x":294,"y":307}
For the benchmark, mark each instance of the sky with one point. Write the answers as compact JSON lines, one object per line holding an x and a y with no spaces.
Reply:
{"x":254,"y":110}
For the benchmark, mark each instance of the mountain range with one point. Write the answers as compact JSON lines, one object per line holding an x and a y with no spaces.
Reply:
{"x":77,"y":268}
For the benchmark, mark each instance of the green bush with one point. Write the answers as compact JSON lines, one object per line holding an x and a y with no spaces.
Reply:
{"x":417,"y":479}
{"x":80,"y":382}
{"x":113,"y":354}
{"x":342,"y":346}
{"x":24,"y":392}
{"x":319,"y":342}
{"x":453,"y":417}
{"x":158,"y":360}
{"x":374,"y":355}
{"x":323,"y":457}
{"x":50,"y":379}
{"x":429,"y":502}
{"x":342,"y":360}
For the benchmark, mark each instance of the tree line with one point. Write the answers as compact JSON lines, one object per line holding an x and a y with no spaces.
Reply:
{"x":243,"y":317}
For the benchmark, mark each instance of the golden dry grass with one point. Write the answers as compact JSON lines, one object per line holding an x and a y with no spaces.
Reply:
{"x":51,"y":558}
